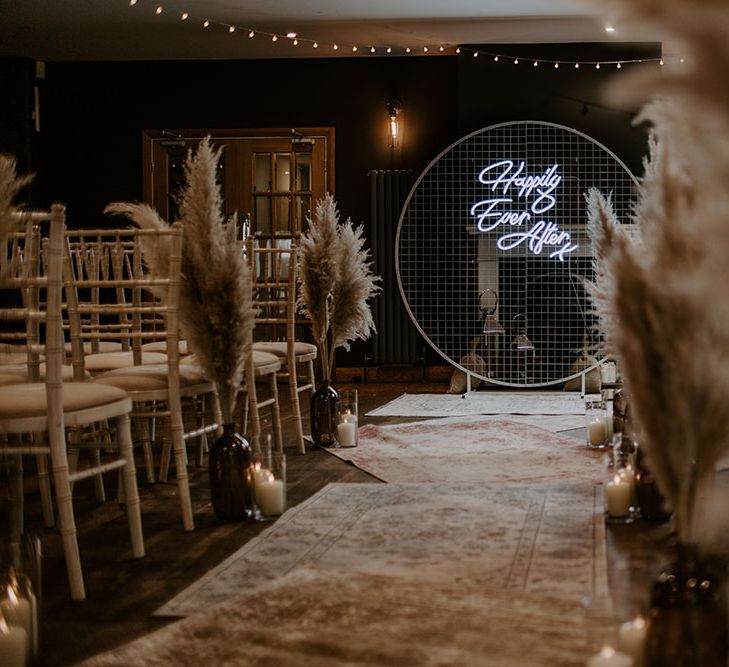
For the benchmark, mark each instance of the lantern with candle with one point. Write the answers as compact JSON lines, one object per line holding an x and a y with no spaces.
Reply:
{"x":347,"y":418}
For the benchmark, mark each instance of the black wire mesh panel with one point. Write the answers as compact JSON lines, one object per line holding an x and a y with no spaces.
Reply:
{"x":496,"y":226}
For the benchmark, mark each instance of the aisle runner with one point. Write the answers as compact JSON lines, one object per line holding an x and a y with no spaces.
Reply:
{"x":471,"y":449}
{"x":309,"y":619}
{"x":485,"y":403}
{"x":537,"y":539}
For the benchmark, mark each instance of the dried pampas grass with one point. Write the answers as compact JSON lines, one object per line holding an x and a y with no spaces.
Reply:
{"x":660,"y":296}
{"x":10,"y":186}
{"x":216,"y":300}
{"x":336,"y":282}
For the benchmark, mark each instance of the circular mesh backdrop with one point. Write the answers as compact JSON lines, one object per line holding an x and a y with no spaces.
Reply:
{"x":501,"y":216}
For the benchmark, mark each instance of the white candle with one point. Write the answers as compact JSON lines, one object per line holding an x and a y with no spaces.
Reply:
{"x":346,"y":434}
{"x":631,"y":639}
{"x":349,"y":418}
{"x":628,"y":475}
{"x":271,"y":496}
{"x":597,"y":431}
{"x":617,"y":496}
{"x":260,"y":474}
{"x":13,"y":642}
{"x":18,"y":612}
{"x":609,"y":657}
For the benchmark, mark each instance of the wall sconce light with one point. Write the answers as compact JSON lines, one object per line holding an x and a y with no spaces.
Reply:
{"x":521,"y":341}
{"x":491,"y":324}
{"x":394,"y":106}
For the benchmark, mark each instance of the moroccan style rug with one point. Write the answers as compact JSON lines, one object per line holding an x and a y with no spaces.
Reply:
{"x":536,"y":539}
{"x":323,"y":619}
{"x":471,"y":449}
{"x":486,"y":403}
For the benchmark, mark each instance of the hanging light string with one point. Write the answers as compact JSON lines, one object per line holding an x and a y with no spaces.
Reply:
{"x":443,"y":48}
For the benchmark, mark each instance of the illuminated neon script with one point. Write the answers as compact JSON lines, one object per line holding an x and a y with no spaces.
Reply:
{"x":539,"y":195}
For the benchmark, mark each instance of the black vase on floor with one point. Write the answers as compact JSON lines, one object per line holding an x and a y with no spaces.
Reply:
{"x":688,"y":616}
{"x":231,"y":476}
{"x":323,"y":415}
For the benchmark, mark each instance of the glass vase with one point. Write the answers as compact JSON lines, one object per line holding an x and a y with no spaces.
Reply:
{"x":231,"y":476}
{"x":688,"y":616}
{"x":324,"y":415}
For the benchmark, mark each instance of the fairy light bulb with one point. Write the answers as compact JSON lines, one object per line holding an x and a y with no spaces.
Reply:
{"x":425,"y":49}
{"x":681,"y":60}
{"x":132,"y":3}
{"x":496,"y":59}
{"x":577,"y":65}
{"x":556,"y":65}
{"x":354,"y":49}
{"x":458,"y":50}
{"x":407,"y":49}
{"x":274,"y":38}
{"x":251,"y":34}
{"x":620,"y":66}
{"x":184,"y":16}
{"x":597,"y":66}
{"x":316,"y":45}
{"x":536,"y":63}
{"x":336,"y":47}
{"x":158,"y":11}
{"x":475,"y":54}
{"x":291,"y":35}
{"x":296,"y":42}
{"x":231,"y":28}
{"x":516,"y":61}
{"x":441,"y":48}
{"x":389,"y":49}
{"x":661,"y":62}
{"x":372,"y":49}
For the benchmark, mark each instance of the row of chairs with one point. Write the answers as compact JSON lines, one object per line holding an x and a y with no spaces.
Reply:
{"x":127,"y":361}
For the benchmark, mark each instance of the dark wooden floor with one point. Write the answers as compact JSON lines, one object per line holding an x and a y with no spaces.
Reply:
{"x":124,"y":592}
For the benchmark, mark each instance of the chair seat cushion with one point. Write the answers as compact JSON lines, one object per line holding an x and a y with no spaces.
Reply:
{"x":279,"y":348}
{"x":106,"y":361}
{"x":149,"y":377}
{"x":161,"y":346}
{"x":260,"y":359}
{"x":21,"y":371}
{"x":29,"y":400}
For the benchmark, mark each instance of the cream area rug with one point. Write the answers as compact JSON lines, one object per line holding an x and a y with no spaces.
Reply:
{"x":537,"y":539}
{"x":471,"y":449}
{"x":486,"y":403}
{"x":311,"y":618}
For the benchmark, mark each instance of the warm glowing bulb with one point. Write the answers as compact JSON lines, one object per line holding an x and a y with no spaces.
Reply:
{"x":661,"y":62}
{"x":536,"y":63}
{"x":132,"y":2}
{"x":291,"y":35}
{"x":316,"y":45}
{"x":274,"y":38}
{"x":231,"y":28}
{"x":206,"y":23}
{"x":681,"y":60}
{"x":354,"y":49}
{"x":389,"y":49}
{"x":441,"y":48}
{"x":336,"y":47}
{"x":619,"y":66}
{"x":458,"y":49}
{"x":185,"y":16}
{"x":496,"y":59}
{"x":407,"y":49}
{"x":597,"y":66}
{"x":251,"y":34}
{"x":425,"y":49}
{"x":516,"y":61}
{"x":372,"y":49}
{"x":609,"y":28}
{"x":556,"y":65}
{"x":158,"y":11}
{"x":475,"y":54}
{"x":296,"y":42}
{"x":577,"y":65}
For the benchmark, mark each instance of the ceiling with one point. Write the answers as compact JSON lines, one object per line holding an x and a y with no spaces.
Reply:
{"x":118,"y":30}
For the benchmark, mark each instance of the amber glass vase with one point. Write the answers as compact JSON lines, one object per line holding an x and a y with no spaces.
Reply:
{"x":231,"y":476}
{"x":688,"y":616}
{"x":324,"y":415}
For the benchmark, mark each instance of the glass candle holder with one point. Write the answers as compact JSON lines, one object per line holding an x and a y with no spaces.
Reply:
{"x":347,"y":418}
{"x":269,"y":483}
{"x":596,"y":426}
{"x":19,"y":609}
{"x":620,"y":498}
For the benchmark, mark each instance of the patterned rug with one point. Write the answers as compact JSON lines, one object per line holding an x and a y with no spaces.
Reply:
{"x":471,"y":449}
{"x":321,"y":619}
{"x":486,"y":403}
{"x":537,"y":539}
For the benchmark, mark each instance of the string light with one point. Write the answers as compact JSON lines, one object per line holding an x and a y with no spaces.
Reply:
{"x":293,"y":36}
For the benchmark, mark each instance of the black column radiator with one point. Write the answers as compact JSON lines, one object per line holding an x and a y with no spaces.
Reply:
{"x":397,"y":339}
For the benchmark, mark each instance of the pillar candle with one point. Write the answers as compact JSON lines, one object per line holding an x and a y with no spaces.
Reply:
{"x":347,"y":434}
{"x":628,"y":474}
{"x":596,"y":432}
{"x":609,"y":657}
{"x":271,"y":496}
{"x":349,"y":418}
{"x":617,"y":496}
{"x":19,"y":612}
{"x":631,"y":639}
{"x":13,"y":642}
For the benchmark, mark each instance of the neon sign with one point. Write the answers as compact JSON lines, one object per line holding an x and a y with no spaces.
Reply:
{"x":539,"y":193}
